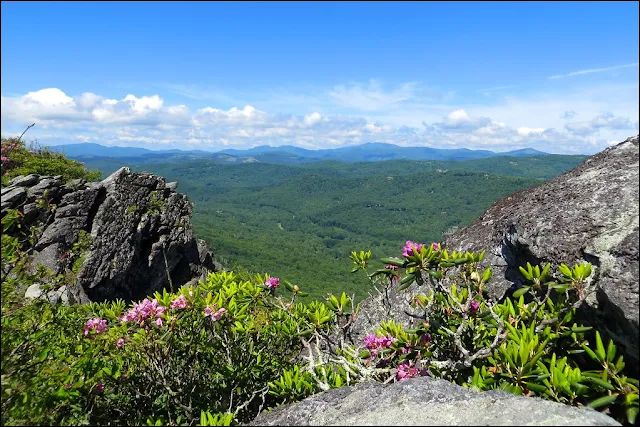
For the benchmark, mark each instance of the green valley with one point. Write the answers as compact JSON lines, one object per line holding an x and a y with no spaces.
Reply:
{"x":300,"y":222}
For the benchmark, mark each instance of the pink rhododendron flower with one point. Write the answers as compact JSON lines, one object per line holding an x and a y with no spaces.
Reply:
{"x":158,"y":322}
{"x":405,"y":372}
{"x":180,"y":302}
{"x":97,"y":325}
{"x":218,"y":314}
{"x":370,"y":341}
{"x":474,"y":306}
{"x":411,"y":248}
{"x":99,"y":388}
{"x":391,"y":267}
{"x":272,"y":282}
{"x":120,"y":342}
{"x":146,"y":309}
{"x":373,"y":342}
{"x":435,"y":246}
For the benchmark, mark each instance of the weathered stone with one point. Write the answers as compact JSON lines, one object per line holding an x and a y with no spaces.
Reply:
{"x":140,"y":238}
{"x":426,"y":402}
{"x":587,"y":214}
{"x":35,"y":292}
{"x":14,"y":197}
{"x":25,"y":181}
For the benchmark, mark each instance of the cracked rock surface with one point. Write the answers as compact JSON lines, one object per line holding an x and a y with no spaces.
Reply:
{"x":141,"y":238}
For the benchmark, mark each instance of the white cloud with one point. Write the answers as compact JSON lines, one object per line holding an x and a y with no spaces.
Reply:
{"x":371,"y":97}
{"x":312,"y":119}
{"x":593,"y":70}
{"x":539,"y":121}
{"x":525,"y":131}
{"x":606,"y":120}
{"x":460,"y":120}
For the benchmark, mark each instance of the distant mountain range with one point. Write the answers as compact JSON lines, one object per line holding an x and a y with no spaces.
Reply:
{"x":287,"y":154}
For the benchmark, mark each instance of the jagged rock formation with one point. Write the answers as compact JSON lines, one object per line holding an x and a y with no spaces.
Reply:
{"x":125,"y":237}
{"x":426,"y":402}
{"x":589,"y":213}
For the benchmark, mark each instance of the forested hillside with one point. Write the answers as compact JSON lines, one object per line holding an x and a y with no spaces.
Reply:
{"x":301,"y":222}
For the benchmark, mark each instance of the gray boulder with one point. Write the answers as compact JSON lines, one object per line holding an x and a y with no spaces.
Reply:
{"x":589,"y":213}
{"x":125,"y":237}
{"x":426,"y":402}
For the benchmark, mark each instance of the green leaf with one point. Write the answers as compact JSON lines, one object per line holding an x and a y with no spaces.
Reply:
{"x":525,"y":273}
{"x":632,"y":414}
{"x":600,"y":348}
{"x":598,"y":381}
{"x":604,"y":401}
{"x":611,"y":351}
{"x":486,"y":275}
{"x":590,"y":353}
{"x":545,"y":272}
{"x":394,"y":261}
{"x":306,"y":333}
{"x":43,"y":355}
{"x":539,"y":389}
{"x":523,"y":290}
{"x":435,"y":274}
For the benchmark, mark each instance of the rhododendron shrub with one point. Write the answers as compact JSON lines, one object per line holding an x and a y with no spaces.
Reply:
{"x":528,"y":344}
{"x":168,"y":358}
{"x":18,"y":159}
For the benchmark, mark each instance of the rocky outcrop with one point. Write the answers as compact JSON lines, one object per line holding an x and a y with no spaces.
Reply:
{"x":426,"y":402}
{"x":589,"y":213}
{"x":125,"y":237}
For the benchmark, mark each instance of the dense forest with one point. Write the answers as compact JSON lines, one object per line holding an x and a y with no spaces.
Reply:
{"x":300,"y":222}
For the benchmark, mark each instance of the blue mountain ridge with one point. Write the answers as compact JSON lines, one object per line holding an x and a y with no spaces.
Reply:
{"x":287,"y":154}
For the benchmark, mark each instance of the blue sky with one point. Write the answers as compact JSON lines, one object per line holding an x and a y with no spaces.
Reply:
{"x":559,"y":77}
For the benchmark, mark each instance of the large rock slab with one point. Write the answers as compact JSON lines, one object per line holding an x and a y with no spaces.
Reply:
{"x":426,"y":402}
{"x":137,"y":231}
{"x":589,"y":213}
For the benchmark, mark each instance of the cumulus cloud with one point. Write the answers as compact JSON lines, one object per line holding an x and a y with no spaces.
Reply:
{"x":569,"y":114}
{"x":460,"y":120}
{"x":606,"y":120}
{"x":312,"y":119}
{"x":147,"y":120}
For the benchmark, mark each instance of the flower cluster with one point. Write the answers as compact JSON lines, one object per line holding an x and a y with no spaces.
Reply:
{"x":272,"y":282}
{"x":96,"y":324}
{"x":146,"y":309}
{"x":375,"y":343}
{"x":475,"y":305}
{"x":411,"y":248}
{"x":208,"y":311}
{"x":180,"y":302}
{"x":406,"y":371}
{"x":7,"y":147}
{"x":391,"y":267}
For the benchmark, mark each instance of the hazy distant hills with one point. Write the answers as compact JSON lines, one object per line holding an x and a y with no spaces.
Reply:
{"x":373,"y":152}
{"x":286,"y":154}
